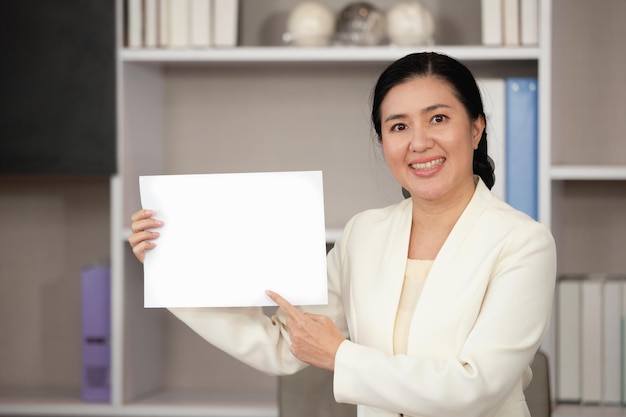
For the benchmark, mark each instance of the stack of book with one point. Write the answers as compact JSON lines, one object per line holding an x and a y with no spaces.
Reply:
{"x":591,"y":350}
{"x":181,"y":23}
{"x":510,"y":22}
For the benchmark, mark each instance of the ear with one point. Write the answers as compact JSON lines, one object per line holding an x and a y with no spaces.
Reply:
{"x":478,"y":127}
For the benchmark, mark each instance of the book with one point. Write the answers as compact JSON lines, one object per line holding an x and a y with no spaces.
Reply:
{"x":163,"y":35}
{"x":225,"y":22}
{"x":134,"y":17}
{"x":493,"y":92}
{"x":96,"y":333}
{"x":178,"y":19}
{"x":521,"y":143}
{"x":491,"y":22}
{"x":529,"y":22}
{"x":591,"y":342}
{"x":510,"y":22}
{"x":200,"y":21}
{"x":151,"y":23}
{"x":623,"y":348}
{"x":611,"y":336}
{"x":568,"y":333}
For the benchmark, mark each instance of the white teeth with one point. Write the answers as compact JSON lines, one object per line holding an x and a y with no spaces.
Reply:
{"x":429,"y":164}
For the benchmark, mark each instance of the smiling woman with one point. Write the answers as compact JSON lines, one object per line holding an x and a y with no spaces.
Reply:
{"x":437,"y":304}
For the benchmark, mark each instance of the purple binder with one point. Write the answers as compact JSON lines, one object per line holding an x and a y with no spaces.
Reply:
{"x":96,"y":333}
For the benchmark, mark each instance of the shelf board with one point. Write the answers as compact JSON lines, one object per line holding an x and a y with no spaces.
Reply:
{"x":562,"y":410}
{"x":588,"y":172}
{"x":331,"y":234}
{"x":137,"y":410}
{"x":286,"y":54}
{"x":161,"y":403}
{"x":185,"y":403}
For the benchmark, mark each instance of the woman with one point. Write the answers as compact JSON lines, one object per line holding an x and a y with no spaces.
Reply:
{"x":438,"y":304}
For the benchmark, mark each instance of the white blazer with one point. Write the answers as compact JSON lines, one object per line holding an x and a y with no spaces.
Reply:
{"x":481,"y":316}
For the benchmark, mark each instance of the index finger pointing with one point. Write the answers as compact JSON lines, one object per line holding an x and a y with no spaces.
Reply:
{"x":282,"y":303}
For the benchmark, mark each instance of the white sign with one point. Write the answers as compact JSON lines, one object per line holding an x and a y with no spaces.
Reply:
{"x":227,"y":238}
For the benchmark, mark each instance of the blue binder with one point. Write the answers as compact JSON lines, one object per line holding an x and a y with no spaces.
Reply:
{"x":521,"y":144}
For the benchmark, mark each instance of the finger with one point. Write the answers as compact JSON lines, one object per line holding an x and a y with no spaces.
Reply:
{"x":284,"y":304}
{"x":143,"y":247}
{"x":142,"y":214}
{"x":144,"y":224}
{"x":137,"y":238}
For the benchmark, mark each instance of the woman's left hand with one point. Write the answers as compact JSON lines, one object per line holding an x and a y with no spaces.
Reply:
{"x":315,"y":339}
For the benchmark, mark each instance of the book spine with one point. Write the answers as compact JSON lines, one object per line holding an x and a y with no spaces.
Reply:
{"x":623,"y":348}
{"x":164,"y":24}
{"x":511,"y":22}
{"x":568,"y":341}
{"x":225,"y":23}
{"x":611,"y":387}
{"x":591,"y":348}
{"x":529,"y":22}
{"x":491,"y":22}
{"x":134,"y":13}
{"x":200,"y":20}
{"x":151,"y":23}
{"x":96,"y":333}
{"x":521,"y":144}
{"x":178,"y":23}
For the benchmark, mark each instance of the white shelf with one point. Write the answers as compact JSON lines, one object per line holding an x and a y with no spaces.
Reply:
{"x":328,"y":54}
{"x":587,"y":411}
{"x":331,"y":234}
{"x":138,"y":410}
{"x":588,"y":172}
{"x":161,"y":403}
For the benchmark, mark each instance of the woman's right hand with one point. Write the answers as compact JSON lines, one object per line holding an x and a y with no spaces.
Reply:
{"x":141,"y":238}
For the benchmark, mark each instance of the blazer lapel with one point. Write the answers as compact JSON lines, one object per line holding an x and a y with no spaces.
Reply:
{"x":387,"y":279}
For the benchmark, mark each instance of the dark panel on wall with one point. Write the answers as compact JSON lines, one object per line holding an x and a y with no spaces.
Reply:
{"x":57,"y":87}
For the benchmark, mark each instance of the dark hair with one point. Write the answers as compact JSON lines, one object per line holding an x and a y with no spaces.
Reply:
{"x":458,"y":76}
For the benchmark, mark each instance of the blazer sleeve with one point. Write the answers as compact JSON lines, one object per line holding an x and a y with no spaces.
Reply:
{"x":245,"y":333}
{"x":512,"y":320}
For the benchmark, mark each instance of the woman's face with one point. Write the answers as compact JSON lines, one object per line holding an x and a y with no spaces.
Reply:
{"x":428,"y":139}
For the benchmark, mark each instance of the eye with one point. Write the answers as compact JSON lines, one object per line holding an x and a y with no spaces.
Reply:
{"x":398,"y":127}
{"x":439,"y":118}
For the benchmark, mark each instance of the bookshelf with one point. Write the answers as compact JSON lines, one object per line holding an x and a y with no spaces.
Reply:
{"x":262,"y":106}
{"x":587,"y":176}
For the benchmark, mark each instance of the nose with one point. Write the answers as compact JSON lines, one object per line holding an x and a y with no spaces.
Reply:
{"x":420,"y":140}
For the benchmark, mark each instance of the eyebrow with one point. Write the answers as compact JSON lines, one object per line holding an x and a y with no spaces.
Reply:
{"x":423,"y":111}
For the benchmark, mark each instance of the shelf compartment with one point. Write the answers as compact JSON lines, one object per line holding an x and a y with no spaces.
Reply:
{"x":51,"y":228}
{"x":589,"y":225}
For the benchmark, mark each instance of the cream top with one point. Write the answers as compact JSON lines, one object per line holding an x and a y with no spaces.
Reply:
{"x":414,"y":279}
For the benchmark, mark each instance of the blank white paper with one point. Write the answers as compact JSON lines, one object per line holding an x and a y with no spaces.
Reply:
{"x":227,"y":238}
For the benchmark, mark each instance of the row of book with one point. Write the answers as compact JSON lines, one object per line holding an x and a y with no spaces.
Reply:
{"x":591,"y":339}
{"x":511,"y":108}
{"x":510,"y":22}
{"x":181,"y":23}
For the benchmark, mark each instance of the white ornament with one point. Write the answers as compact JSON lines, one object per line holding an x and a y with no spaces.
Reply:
{"x":310,"y":24}
{"x":409,"y":24}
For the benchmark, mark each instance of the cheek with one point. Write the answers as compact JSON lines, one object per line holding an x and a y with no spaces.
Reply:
{"x":391,"y":151}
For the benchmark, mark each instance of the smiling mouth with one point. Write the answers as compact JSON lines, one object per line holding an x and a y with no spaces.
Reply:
{"x":428,"y":165}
